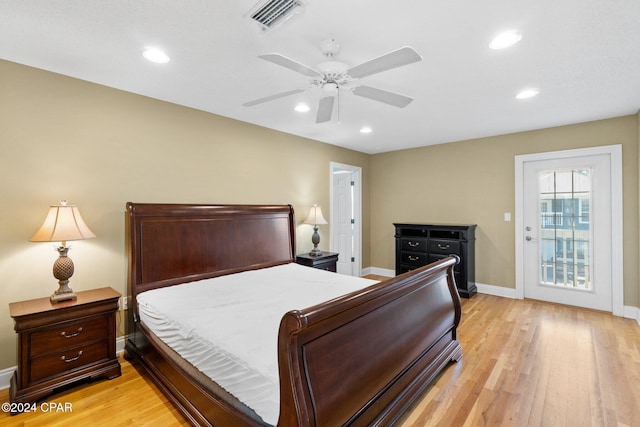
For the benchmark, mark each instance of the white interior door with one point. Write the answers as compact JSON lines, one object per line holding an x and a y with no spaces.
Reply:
{"x":568,"y":235}
{"x":345,"y":218}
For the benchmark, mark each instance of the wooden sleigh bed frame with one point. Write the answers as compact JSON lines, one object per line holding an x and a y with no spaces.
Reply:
{"x":358,"y":360}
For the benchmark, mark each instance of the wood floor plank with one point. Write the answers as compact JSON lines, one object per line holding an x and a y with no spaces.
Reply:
{"x":129,"y":400}
{"x":540,"y":364}
{"x":526,"y":363}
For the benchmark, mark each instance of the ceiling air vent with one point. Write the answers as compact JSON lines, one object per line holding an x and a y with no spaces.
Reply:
{"x":271,"y":13}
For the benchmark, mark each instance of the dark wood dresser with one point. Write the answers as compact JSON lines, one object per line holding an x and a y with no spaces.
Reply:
{"x":421,"y":244}
{"x":326,"y":261}
{"x":60,"y":343}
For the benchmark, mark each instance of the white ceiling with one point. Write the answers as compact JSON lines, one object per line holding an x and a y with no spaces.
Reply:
{"x":583,"y":55}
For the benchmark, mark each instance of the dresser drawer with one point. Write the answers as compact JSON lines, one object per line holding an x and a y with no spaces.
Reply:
{"x":68,"y":335}
{"x":414,"y":259}
{"x":444,"y":246}
{"x":54,"y":364}
{"x":413,"y":244}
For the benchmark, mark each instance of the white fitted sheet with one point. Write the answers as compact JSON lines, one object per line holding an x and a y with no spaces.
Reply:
{"x":227,"y":327}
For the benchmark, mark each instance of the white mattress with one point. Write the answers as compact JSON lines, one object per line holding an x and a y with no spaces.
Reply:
{"x":227,"y":327}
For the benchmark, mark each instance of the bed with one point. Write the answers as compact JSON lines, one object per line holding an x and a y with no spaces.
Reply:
{"x":359,"y":358}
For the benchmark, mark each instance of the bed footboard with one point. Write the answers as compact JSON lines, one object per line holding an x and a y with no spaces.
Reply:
{"x":363,"y":359}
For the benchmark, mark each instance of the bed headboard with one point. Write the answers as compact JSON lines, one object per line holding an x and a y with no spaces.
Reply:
{"x":169,"y":244}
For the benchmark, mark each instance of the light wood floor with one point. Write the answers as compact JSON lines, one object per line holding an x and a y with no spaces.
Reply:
{"x":526,"y":363}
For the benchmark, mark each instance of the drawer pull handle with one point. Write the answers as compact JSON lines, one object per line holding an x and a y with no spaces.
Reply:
{"x":441,"y":246}
{"x":73,"y":359}
{"x":413,"y":244}
{"x":413,"y":258}
{"x":71,"y":335}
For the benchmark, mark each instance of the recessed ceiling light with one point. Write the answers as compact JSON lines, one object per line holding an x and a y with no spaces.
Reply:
{"x":302,"y":108}
{"x":506,"y":39}
{"x":155,"y":55}
{"x":366,"y":129}
{"x":527,"y":93}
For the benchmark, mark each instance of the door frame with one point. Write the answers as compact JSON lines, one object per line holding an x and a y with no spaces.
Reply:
{"x":357,"y":211}
{"x":615,"y":156}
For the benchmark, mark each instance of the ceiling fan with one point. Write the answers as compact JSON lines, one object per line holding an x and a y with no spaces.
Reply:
{"x":332,"y":77}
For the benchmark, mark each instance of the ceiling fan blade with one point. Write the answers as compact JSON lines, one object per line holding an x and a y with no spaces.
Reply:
{"x":395,"y":59}
{"x":380,"y":95}
{"x":289,"y":63}
{"x":325,"y":109}
{"x":272,"y":97}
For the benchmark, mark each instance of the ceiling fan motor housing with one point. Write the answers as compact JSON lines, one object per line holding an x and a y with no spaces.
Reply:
{"x":333,"y":72}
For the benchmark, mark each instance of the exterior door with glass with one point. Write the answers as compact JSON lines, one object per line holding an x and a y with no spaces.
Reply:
{"x":567,"y":246}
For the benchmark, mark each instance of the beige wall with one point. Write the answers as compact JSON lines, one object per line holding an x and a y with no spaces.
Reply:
{"x":473,"y":182}
{"x":99,"y":148}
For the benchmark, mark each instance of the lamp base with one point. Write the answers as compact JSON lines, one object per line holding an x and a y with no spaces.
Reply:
{"x":63,"y":270}
{"x":315,"y":239}
{"x":65,"y":296}
{"x":315,"y":252}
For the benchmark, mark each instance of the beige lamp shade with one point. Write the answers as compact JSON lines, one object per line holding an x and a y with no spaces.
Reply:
{"x":63,"y":223}
{"x":315,"y":216}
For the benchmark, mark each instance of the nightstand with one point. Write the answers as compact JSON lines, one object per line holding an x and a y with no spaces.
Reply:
{"x":64,"y":342}
{"x":325,"y":261}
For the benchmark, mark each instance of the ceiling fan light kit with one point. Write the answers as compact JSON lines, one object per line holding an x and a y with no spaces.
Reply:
{"x":333,"y":77}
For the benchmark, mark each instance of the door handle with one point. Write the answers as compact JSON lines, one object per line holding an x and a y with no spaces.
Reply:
{"x":528,"y":238}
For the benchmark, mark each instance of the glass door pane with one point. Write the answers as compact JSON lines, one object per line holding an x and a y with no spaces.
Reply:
{"x":565,"y":231}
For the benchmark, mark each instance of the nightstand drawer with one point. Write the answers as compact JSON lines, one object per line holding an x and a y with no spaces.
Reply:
{"x":325,"y":261}
{"x":327,"y":266}
{"x":69,"y":335}
{"x":57,"y":363}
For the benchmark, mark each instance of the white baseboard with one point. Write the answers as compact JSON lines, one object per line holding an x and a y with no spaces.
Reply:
{"x":120,"y":341}
{"x":499,"y":291}
{"x":6,"y":374}
{"x":631,"y":313}
{"x":5,"y":377}
{"x":378,"y":271}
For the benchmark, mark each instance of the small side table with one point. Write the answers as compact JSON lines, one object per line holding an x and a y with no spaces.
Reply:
{"x":60,"y":343}
{"x":325,"y":261}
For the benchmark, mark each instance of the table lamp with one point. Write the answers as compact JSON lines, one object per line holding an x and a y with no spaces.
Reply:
{"x":315,"y":217}
{"x":63,"y":223}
